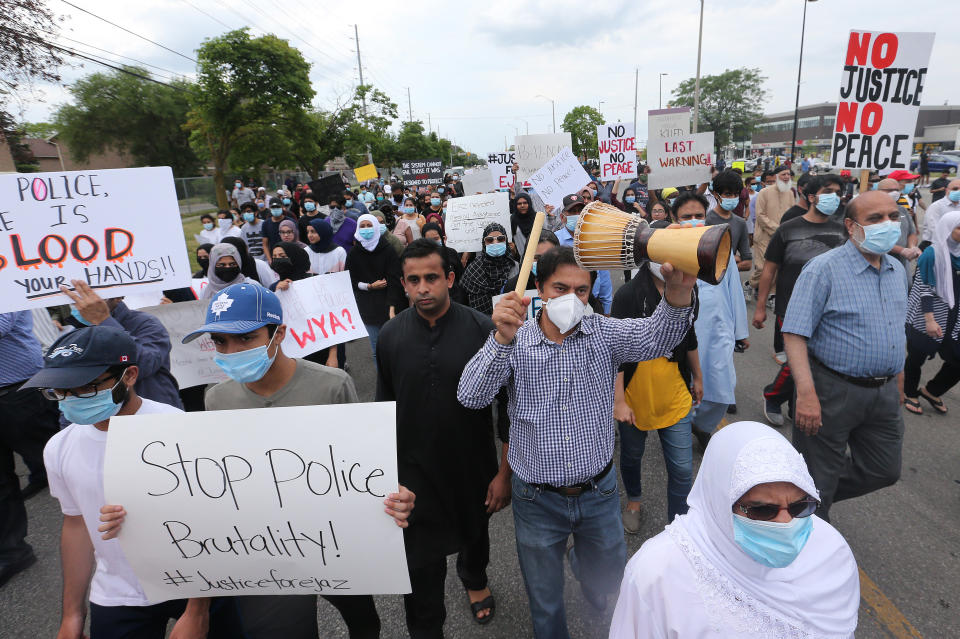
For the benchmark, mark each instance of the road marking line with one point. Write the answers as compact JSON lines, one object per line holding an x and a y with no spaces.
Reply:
{"x":887,"y":612}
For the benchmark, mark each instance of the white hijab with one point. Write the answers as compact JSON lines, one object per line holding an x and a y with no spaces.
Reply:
{"x":372,"y":242}
{"x":943,"y":248}
{"x":816,"y":596}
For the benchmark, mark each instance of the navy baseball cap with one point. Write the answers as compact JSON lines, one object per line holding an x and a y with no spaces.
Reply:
{"x":239,"y":309}
{"x":80,"y":356}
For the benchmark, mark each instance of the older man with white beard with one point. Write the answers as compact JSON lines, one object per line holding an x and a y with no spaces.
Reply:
{"x":772,"y":203}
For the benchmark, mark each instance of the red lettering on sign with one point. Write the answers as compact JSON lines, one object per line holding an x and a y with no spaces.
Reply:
{"x":857,"y":49}
{"x":847,"y":116}
{"x":871,"y":118}
{"x":884,"y":50}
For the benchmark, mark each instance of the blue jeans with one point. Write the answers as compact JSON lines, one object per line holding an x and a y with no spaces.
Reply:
{"x":373,"y":330}
{"x":677,"y":444}
{"x":544,"y":520}
{"x":708,"y":415}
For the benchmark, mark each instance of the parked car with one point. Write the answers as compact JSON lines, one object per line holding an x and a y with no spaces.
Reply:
{"x":937,"y":163}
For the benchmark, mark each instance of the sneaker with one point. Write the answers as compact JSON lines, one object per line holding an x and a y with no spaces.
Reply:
{"x":780,"y":357}
{"x":772,"y":302}
{"x":631,"y":521}
{"x":732,"y":409}
{"x":771,"y":410}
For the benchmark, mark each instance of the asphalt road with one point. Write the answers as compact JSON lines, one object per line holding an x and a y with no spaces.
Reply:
{"x":904,"y":537}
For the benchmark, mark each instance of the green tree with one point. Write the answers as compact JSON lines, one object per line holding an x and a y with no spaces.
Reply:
{"x":243,"y":85}
{"x":730,"y":100}
{"x":39,"y":129}
{"x":582,"y":123}
{"x":27,"y":51}
{"x":122,"y":112}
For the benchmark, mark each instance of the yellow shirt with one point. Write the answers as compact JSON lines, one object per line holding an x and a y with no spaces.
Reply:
{"x":657,"y":394}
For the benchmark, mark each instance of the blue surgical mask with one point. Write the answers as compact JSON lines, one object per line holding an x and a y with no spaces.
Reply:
{"x":379,"y":198}
{"x":907,"y":189}
{"x":572,"y":222}
{"x":383,"y":228}
{"x":533,"y":269}
{"x":77,"y":316}
{"x":440,"y":190}
{"x":286,"y":201}
{"x":771,"y":543}
{"x":954,"y":196}
{"x":874,"y":185}
{"x":349,"y":204}
{"x":756,"y":187}
{"x":248,"y":216}
{"x":246,"y":366}
{"x":711,"y":186}
{"x":693,"y":223}
{"x":496,"y":250}
{"x":208,"y":226}
{"x":90,"y":410}
{"x":309,"y":206}
{"x":366,"y":233}
{"x":630,"y":199}
{"x":261,"y":205}
{"x":828,"y":203}
{"x":434,"y":201}
{"x":729,"y":203}
{"x":408,"y":210}
{"x":276,"y":212}
{"x":879,"y":238}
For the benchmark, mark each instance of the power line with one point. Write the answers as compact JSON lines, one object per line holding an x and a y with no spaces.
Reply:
{"x":172,"y":73}
{"x":214,"y":18}
{"x":128,"y":30}
{"x":114,"y":67}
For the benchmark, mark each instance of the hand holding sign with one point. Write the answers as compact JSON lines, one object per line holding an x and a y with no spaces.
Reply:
{"x":91,"y":306}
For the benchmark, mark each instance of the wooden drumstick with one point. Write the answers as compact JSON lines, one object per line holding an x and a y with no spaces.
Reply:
{"x":530,"y":253}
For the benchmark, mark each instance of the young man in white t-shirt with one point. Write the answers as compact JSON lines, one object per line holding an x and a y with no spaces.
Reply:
{"x":91,"y":372}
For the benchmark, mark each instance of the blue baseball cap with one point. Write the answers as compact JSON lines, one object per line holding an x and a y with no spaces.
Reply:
{"x":79,"y":357}
{"x":239,"y":309}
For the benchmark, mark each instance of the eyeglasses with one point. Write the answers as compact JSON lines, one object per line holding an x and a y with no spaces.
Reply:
{"x":765,"y":512}
{"x":89,"y":390}
{"x":499,"y":239}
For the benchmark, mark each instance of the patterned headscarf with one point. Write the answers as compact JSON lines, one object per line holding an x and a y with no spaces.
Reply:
{"x":485,"y":275}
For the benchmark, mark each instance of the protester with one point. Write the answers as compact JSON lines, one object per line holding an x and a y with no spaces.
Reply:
{"x":661,"y":215}
{"x":242,"y":194}
{"x":772,"y":203}
{"x":344,"y":226}
{"x":256,"y":270}
{"x":446,"y":452}
{"x":909,"y":196}
{"x":749,"y":559}
{"x":795,"y":243}
{"x":310,"y":213}
{"x":434,"y":233}
{"x":801,"y":206}
{"x":939,"y":208}
{"x":845,"y":345}
{"x":932,"y":326}
{"x":271,"y":226}
{"x":230,"y":224}
{"x":375,"y":273}
{"x":291,"y":263}
{"x":408,"y":226}
{"x":210,"y":234}
{"x":559,"y":370}
{"x":905,"y":250}
{"x":385,"y":233}
{"x":656,"y":395}
{"x":325,"y":256}
{"x":203,"y":260}
{"x":521,"y":220}
{"x":630,"y":203}
{"x":353,"y":207}
{"x":288,"y":232}
{"x":225,"y":269}
{"x":252,"y":233}
{"x":484,"y":276}
{"x":434,"y":213}
{"x":938,"y":188}
{"x":728,"y":186}
{"x":548,"y":240}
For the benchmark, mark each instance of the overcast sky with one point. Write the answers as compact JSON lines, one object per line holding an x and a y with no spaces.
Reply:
{"x":477,"y":67}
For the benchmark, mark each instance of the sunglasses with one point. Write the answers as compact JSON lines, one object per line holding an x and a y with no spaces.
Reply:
{"x":495,"y":240}
{"x":765,"y":512}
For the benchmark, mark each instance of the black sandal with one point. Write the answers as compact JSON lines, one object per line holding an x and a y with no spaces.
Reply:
{"x":912,"y":406}
{"x":936,"y":403}
{"x":486,"y":604}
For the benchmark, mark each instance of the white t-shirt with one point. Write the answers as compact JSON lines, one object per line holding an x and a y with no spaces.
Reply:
{"x":332,"y":262}
{"x":74,"y":461}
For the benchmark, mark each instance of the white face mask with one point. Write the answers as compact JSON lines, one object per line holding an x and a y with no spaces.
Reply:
{"x":566,"y":311}
{"x":654,"y":268}
{"x":894,"y":195}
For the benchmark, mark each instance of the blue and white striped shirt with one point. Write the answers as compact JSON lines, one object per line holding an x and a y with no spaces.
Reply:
{"x":20,"y":355}
{"x":851,"y":314}
{"x":561,"y":395}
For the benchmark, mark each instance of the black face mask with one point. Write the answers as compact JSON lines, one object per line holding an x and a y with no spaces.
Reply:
{"x":226,"y":273}
{"x":204,"y":263}
{"x":282,"y":265}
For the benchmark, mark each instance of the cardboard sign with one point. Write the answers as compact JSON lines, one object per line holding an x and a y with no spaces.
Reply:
{"x":320,"y":311}
{"x":617,"y":146}
{"x":468,"y":216}
{"x":668,"y":123}
{"x":560,"y":176}
{"x":880,"y":89}
{"x":422,"y":172}
{"x":679,"y":161}
{"x":270,"y":501}
{"x":191,"y":364}
{"x":532,"y":308}
{"x":325,"y":187}
{"x":476,"y":180}
{"x":533,"y":151}
{"x":90,"y":226}
{"x":366,"y":172}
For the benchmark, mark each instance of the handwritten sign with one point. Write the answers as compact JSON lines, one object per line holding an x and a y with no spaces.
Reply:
{"x":883,"y":77}
{"x":192,"y":363}
{"x":89,"y":226}
{"x":320,"y":311}
{"x":468,"y":216}
{"x":560,"y":176}
{"x":668,"y":123}
{"x":476,"y":180}
{"x":617,"y":146}
{"x":532,"y":308}
{"x":272,"y":501}
{"x":422,"y":172}
{"x":365,"y":172}
{"x":678,"y":161}
{"x":533,"y":151}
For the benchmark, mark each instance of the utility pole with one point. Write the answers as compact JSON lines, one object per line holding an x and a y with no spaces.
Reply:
{"x":363,"y":96}
{"x":409,"y":107}
{"x":696,"y":88}
{"x":636,"y":87}
{"x":429,"y":124}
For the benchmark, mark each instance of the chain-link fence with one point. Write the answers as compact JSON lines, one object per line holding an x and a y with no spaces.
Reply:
{"x":196,"y":195}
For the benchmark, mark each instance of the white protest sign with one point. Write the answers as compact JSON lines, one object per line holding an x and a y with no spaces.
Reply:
{"x":140,"y":300}
{"x":468,"y":216}
{"x":880,"y":88}
{"x":532,"y":308}
{"x":560,"y":176}
{"x":89,"y":226}
{"x":617,"y":146}
{"x":679,"y":161}
{"x":320,"y":311}
{"x":270,"y":501}
{"x":191,"y":364}
{"x":533,"y":151}
{"x":476,"y":181}
{"x":668,"y":123}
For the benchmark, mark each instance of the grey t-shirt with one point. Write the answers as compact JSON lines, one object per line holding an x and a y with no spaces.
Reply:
{"x":739,"y":240}
{"x":312,"y":384}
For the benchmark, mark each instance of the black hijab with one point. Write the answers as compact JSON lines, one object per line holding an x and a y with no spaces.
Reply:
{"x":203,"y":270}
{"x":297,"y":264}
{"x":325,"y":230}
{"x":523,"y":222}
{"x":247,"y":267}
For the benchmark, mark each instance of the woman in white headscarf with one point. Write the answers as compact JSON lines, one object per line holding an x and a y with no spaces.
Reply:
{"x":224,"y":270}
{"x":749,"y":559}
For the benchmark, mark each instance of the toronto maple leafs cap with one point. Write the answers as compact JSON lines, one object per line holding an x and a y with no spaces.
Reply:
{"x":239,"y":309}
{"x":79,"y":357}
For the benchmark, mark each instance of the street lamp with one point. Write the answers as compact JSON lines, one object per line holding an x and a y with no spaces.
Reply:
{"x":527,"y":123}
{"x":661,"y":88}
{"x":696,"y":87}
{"x":796,"y":107}
{"x":598,"y":106}
{"x":553,"y":111}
